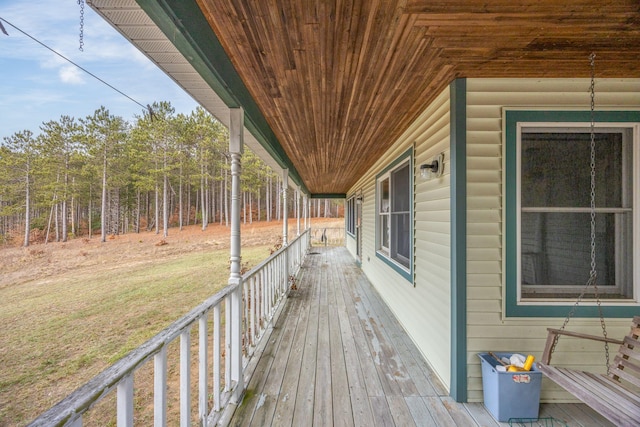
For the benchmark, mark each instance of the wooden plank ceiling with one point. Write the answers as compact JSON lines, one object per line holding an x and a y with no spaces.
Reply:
{"x":339,"y":81}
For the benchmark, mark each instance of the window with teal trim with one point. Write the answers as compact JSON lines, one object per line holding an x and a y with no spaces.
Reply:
{"x":548,"y":205}
{"x":394,"y":235}
{"x":350,"y":215}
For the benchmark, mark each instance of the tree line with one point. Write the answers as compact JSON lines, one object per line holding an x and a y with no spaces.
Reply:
{"x":100,"y":173}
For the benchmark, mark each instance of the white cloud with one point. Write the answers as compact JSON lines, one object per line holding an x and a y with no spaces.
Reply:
{"x":58,"y":27}
{"x":70,"y":74}
{"x":38,"y":85}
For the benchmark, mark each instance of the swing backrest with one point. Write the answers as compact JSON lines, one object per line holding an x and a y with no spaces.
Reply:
{"x":626,"y":364}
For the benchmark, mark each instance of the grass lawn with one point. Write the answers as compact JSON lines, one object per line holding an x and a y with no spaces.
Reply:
{"x":62,"y":329}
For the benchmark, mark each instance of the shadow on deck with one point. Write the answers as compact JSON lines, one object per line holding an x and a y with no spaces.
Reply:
{"x":337,"y":356}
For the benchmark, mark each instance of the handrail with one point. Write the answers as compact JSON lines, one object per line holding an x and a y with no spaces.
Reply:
{"x":327,"y":236}
{"x":83,"y":398}
{"x":263,"y":289}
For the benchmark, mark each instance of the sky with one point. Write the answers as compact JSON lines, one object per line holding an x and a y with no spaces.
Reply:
{"x":37,"y":86}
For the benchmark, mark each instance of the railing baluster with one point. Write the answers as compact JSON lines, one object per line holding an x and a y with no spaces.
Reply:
{"x":275,"y":287}
{"x":265,"y":287}
{"x":291,"y":258}
{"x":227,"y":343}
{"x":245,"y":332}
{"x":160,"y":388}
{"x":285,"y":275}
{"x":185,"y":377}
{"x":278,"y":282}
{"x":125,"y":402}
{"x":203,"y":363}
{"x":273,"y":274}
{"x":248,"y":308}
{"x":216,"y":358}
{"x":254,"y":310}
{"x":263,"y":293}
{"x":260,"y":291}
{"x":255,"y":300}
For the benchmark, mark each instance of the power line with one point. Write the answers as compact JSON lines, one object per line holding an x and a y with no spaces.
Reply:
{"x":145,"y":107}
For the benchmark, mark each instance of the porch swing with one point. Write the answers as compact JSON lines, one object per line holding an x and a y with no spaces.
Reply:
{"x":605,"y":393}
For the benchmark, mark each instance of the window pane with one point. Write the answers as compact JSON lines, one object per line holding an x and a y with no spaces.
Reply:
{"x":401,"y":244}
{"x":400,"y":189}
{"x":555,"y":254}
{"x":556,"y":169}
{"x":384,"y":231}
{"x":384,"y":195}
{"x":556,"y":245}
{"x":350,"y":215}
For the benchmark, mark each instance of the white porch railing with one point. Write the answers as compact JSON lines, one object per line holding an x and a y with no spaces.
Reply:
{"x":263,"y":290}
{"x":327,"y":236}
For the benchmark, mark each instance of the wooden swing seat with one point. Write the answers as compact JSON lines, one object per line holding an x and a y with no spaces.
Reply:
{"x":609,"y":397}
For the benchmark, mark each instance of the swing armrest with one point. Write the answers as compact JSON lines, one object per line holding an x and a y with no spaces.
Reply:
{"x":546,"y":355}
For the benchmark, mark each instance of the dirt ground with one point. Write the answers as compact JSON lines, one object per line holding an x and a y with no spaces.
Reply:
{"x":20,"y":265}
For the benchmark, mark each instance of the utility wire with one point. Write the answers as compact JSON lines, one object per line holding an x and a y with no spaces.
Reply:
{"x":145,"y":107}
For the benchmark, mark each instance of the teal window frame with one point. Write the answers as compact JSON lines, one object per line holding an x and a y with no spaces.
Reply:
{"x":350,"y":216}
{"x":406,"y":272}
{"x":560,"y":308}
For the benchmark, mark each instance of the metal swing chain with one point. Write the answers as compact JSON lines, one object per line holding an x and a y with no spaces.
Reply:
{"x":593,"y":272}
{"x":81,"y":36}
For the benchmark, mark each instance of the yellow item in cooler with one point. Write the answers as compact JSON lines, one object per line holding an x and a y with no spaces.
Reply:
{"x":528,"y":363}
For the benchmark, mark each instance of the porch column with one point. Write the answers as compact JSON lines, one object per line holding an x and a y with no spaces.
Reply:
{"x":285,"y":224}
{"x":235,"y":278}
{"x":305,"y":210}
{"x":298,"y":208}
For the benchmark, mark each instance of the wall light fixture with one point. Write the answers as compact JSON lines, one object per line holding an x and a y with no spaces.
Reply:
{"x":433,"y":169}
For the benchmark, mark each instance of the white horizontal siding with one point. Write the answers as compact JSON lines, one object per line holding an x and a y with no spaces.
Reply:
{"x":423,"y":309}
{"x":487,"y":329}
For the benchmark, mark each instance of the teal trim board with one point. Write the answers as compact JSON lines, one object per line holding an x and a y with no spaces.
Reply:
{"x":458,"y":141}
{"x":187,"y":28}
{"x":513,"y":308}
{"x":329,"y":196}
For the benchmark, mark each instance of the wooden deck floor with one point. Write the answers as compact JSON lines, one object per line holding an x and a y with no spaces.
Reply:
{"x":337,"y":356}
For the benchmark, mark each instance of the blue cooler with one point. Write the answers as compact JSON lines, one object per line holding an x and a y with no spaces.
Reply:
{"x":510,"y":394}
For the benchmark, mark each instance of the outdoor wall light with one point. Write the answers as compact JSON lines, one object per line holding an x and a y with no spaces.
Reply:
{"x":433,"y":169}
{"x":359,"y":198}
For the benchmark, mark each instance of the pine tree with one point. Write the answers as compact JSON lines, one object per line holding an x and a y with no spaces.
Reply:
{"x":104,"y":135}
{"x":59,"y":146}
{"x":100,"y":157}
{"x":20,"y":158}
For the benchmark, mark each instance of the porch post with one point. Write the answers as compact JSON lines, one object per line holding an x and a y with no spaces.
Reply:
{"x":285,"y":224}
{"x":298,"y":209}
{"x":305,"y":210}
{"x":235,"y":278}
